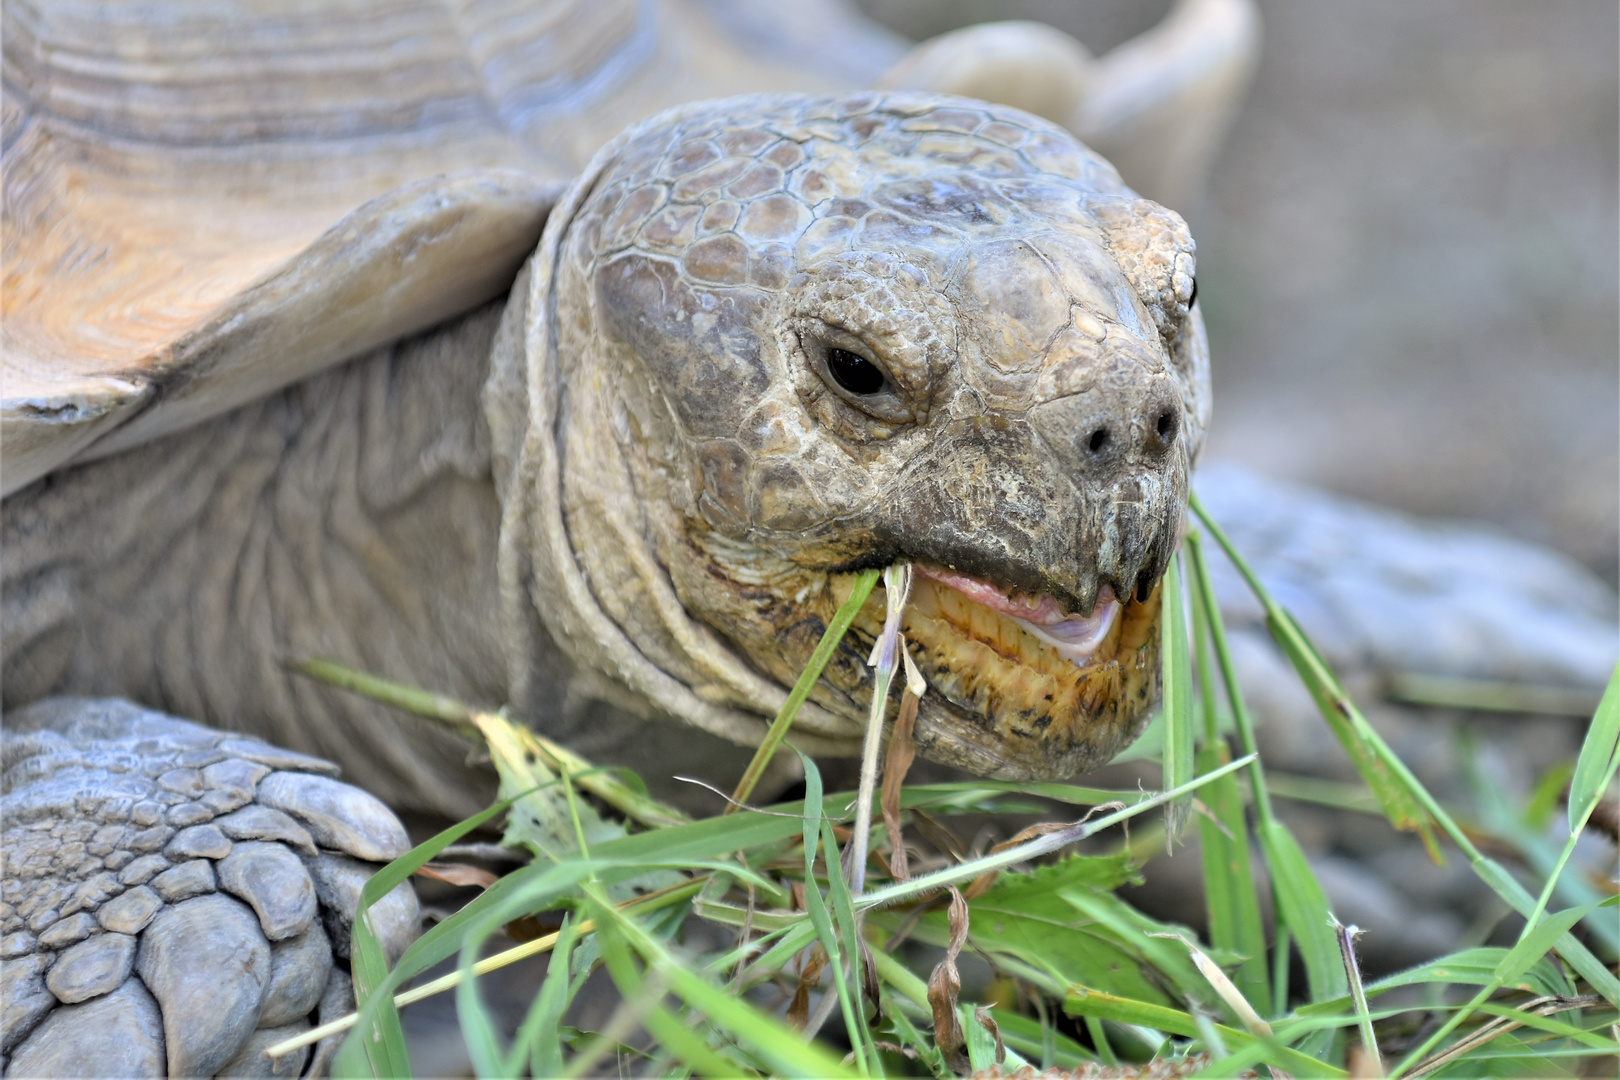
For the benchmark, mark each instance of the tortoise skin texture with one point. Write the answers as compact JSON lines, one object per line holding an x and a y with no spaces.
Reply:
{"x":254,"y":410}
{"x":1044,"y":387}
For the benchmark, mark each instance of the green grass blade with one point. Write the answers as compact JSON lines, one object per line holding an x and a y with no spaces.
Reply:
{"x":1177,"y":696}
{"x":630,"y":800}
{"x":444,"y":940}
{"x":841,"y":974}
{"x":785,"y":1051}
{"x":672,"y":1033}
{"x":1303,"y":908}
{"x":477,"y":1029}
{"x":850,"y":924}
{"x":967,"y":871}
{"x":1280,"y":954}
{"x":1230,"y":898}
{"x":1204,"y":584}
{"x":710,"y":838}
{"x":1340,"y":713}
{"x":1600,"y":754}
{"x":1577,"y":954}
{"x":382,"y":1040}
{"x":1083,"y":1002}
{"x":864,"y":583}
{"x":384,"y":1052}
{"x":539,"y":1038}
{"x":1538,"y":940}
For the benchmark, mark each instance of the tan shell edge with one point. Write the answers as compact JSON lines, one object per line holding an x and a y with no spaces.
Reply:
{"x":397,"y":264}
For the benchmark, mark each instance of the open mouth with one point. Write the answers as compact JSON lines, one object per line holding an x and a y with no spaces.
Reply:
{"x":1019,"y":687}
{"x":1075,"y":638}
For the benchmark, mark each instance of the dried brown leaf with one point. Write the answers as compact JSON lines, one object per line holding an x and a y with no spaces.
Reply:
{"x":815,"y":962}
{"x":944,"y":984}
{"x":902,"y":751}
{"x":872,"y":987}
{"x":988,"y":1022}
{"x":458,"y":874}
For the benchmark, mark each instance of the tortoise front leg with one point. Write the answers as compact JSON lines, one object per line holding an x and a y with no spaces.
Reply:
{"x":176,"y":898}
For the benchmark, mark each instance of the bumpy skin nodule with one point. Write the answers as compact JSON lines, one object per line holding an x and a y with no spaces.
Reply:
{"x":662,"y":380}
{"x":174,"y":895}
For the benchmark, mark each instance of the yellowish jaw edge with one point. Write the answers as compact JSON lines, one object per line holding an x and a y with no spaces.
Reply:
{"x":1016,"y":704}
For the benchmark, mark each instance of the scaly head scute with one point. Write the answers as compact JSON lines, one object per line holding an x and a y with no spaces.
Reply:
{"x":829,"y":333}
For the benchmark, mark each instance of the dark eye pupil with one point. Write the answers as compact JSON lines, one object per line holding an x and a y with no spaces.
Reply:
{"x":853,"y":372}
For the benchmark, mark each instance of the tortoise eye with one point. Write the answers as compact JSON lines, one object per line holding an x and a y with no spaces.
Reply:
{"x":853,"y":372}
{"x":1192,"y":297}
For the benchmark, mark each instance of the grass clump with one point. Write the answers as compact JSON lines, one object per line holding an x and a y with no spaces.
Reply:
{"x":829,"y":916}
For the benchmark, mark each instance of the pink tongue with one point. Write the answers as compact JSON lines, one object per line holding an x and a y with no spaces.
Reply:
{"x":1075,"y":637}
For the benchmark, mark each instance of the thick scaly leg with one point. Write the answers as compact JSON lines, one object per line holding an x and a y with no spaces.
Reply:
{"x":175,"y":898}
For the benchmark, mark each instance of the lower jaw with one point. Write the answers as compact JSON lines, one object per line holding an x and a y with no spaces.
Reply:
{"x":1002,"y":705}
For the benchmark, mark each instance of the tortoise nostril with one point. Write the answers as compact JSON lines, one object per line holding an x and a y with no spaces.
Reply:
{"x":1098,"y":440}
{"x":1166,"y":427}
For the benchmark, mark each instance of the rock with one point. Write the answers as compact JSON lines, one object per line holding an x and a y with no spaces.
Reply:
{"x":300,"y":968}
{"x":66,"y":931}
{"x":129,"y":914}
{"x":92,"y":968}
{"x":117,"y":1035}
{"x":339,"y":816}
{"x":263,"y":823}
{"x":24,"y":1000}
{"x":185,"y":881}
{"x":338,"y":881}
{"x":198,"y":842}
{"x":208,"y":965}
{"x":273,"y":880}
{"x":251,"y":1062}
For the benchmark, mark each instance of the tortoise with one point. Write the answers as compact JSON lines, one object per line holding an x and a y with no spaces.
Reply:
{"x":314,"y":347}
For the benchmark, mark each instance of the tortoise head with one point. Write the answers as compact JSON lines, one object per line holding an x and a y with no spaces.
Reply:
{"x":792,"y":338}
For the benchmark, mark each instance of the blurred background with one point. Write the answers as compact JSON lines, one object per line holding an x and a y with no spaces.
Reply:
{"x":1409,"y":252}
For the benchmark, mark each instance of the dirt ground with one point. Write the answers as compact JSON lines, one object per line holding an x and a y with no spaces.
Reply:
{"x":1408,"y":253}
